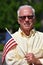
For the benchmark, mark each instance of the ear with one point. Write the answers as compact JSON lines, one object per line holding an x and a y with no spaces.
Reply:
{"x":34,"y":19}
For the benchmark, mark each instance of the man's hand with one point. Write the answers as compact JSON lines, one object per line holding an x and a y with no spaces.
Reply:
{"x":32,"y":59}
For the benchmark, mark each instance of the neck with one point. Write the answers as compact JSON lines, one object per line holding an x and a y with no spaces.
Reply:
{"x":26,"y":32}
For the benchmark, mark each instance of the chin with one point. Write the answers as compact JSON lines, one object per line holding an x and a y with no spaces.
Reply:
{"x":27,"y":29}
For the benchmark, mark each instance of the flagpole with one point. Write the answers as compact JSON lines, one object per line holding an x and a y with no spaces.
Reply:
{"x":8,"y":31}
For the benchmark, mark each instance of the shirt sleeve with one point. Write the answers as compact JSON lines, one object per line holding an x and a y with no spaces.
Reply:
{"x":12,"y":59}
{"x":41,"y":59}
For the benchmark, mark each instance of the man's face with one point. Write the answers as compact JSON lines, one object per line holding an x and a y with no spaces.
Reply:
{"x":26,"y":19}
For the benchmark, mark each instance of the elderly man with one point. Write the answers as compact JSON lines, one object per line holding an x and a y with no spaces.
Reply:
{"x":29,"y":49}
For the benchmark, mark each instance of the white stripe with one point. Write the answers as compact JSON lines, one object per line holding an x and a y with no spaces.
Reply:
{"x":8,"y":41}
{"x":8,"y":45}
{"x":9,"y":48}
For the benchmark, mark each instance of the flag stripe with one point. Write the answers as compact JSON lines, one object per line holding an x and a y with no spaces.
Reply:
{"x":6,"y":50}
{"x":8,"y":46}
{"x":9,"y":41}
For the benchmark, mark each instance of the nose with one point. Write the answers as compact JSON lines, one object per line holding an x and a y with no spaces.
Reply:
{"x":26,"y":19}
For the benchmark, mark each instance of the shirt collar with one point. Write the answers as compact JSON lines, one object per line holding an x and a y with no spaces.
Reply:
{"x":32,"y":33}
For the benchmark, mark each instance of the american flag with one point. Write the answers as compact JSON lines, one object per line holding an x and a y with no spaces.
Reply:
{"x":10,"y":43}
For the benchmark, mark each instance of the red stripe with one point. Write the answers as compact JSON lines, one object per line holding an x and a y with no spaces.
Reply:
{"x":8,"y":44}
{"x":3,"y":57}
{"x":9,"y":41}
{"x":10,"y":48}
{"x":6,"y":49}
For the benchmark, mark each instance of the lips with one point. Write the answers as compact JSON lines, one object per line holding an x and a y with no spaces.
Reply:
{"x":27,"y":24}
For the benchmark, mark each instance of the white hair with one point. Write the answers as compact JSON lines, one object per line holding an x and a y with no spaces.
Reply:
{"x":26,"y":6}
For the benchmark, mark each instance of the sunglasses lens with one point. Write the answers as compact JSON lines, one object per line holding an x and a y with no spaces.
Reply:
{"x":30,"y":17}
{"x":24,"y":17}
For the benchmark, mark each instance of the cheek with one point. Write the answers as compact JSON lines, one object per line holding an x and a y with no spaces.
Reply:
{"x":32,"y":22}
{"x":21,"y":22}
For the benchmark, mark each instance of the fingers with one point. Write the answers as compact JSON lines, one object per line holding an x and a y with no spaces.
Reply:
{"x":29,"y":57}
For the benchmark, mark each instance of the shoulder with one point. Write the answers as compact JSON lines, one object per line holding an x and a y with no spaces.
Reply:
{"x":15,"y":34}
{"x":39,"y":34}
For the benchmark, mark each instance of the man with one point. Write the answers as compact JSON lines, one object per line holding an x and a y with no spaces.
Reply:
{"x":29,"y":49}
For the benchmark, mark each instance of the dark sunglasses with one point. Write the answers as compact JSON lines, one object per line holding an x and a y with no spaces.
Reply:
{"x":24,"y":17}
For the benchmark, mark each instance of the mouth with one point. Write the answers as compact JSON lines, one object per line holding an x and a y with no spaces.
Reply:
{"x":27,"y":24}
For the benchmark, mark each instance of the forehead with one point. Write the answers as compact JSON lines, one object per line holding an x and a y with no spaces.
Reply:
{"x":25,"y":11}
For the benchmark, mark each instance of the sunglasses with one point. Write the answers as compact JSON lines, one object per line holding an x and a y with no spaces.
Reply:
{"x":24,"y":17}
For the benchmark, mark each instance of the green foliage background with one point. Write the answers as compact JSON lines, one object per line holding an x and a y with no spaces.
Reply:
{"x":8,"y":13}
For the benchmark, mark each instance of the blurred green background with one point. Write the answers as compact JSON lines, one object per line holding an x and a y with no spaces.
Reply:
{"x":8,"y":15}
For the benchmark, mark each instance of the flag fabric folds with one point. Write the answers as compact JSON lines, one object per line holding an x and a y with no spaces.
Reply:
{"x":10,"y":43}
